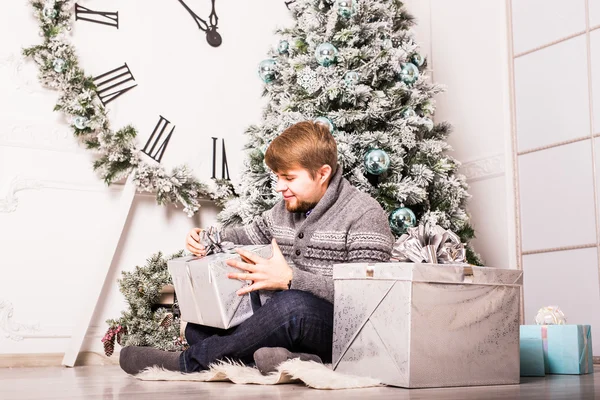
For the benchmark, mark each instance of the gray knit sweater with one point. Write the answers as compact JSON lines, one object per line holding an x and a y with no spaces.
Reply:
{"x":346,"y":226}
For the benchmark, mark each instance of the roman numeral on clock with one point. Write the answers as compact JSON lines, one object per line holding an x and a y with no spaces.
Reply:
{"x":113,"y":79}
{"x":155,"y":138}
{"x":98,"y":17}
{"x":224,"y":166}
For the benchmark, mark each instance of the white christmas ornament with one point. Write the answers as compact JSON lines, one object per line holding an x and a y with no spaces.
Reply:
{"x":551,"y":315}
{"x":308,"y":79}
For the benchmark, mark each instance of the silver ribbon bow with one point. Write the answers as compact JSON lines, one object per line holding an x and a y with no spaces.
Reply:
{"x":211,"y":240}
{"x":433,"y":245}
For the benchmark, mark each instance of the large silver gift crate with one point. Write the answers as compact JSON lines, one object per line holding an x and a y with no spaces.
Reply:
{"x":207,"y":296}
{"x":427,"y":325}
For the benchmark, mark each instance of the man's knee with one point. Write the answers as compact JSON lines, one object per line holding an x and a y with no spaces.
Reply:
{"x":301,"y":303}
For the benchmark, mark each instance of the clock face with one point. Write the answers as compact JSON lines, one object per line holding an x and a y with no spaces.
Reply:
{"x":182,"y":72}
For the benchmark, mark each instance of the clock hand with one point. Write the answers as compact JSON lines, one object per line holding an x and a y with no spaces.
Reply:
{"x":212,"y":36}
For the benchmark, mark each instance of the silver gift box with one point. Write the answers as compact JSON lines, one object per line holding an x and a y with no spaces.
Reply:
{"x":427,"y":325}
{"x":206,"y":295}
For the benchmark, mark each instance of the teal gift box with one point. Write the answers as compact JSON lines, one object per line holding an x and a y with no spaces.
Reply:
{"x":567,"y":348}
{"x":532,"y":357}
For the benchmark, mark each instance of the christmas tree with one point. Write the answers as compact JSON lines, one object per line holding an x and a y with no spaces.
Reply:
{"x":354,"y":65}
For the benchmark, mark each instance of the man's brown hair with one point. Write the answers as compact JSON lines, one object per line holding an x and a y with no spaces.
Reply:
{"x":308,"y":145}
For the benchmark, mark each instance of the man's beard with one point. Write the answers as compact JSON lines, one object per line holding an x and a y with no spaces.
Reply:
{"x":301,"y":206}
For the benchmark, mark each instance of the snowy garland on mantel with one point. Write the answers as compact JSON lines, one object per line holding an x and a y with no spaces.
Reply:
{"x":117,"y":152}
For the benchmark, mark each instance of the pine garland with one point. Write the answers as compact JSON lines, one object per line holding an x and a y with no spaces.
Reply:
{"x":139,"y":324}
{"x":117,"y":153}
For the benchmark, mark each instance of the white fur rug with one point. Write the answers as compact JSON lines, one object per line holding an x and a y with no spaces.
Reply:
{"x":314,"y":375}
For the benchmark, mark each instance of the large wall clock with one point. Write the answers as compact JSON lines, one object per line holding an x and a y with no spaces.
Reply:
{"x":182,"y":73}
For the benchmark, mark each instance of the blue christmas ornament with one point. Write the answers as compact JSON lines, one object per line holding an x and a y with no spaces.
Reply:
{"x":59,"y":65}
{"x":326,"y":54}
{"x":325,"y":121}
{"x":49,"y":12}
{"x":283,"y":47}
{"x":376,"y":161}
{"x":345,"y":8}
{"x":80,"y":122}
{"x":266,"y":70}
{"x":417,"y":59}
{"x":351,"y":77}
{"x":409,"y":73}
{"x":409,"y":113}
{"x":401,"y":219}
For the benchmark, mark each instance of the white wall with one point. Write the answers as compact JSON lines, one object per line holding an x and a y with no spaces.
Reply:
{"x":466,"y":43}
{"x":555,"y":59}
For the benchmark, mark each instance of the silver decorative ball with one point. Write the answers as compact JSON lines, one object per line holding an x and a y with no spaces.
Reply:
{"x":417,"y":59}
{"x":266,"y":70}
{"x":346,"y":8}
{"x":326,"y":54}
{"x":283,"y":47}
{"x":59,"y":65}
{"x":376,"y":161}
{"x":49,"y":12}
{"x":80,"y":122}
{"x":325,"y":121}
{"x":401,"y":219}
{"x":351,"y":78}
{"x":409,"y":73}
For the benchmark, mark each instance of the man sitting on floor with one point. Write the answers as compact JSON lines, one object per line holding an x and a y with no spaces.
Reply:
{"x":321,"y":220}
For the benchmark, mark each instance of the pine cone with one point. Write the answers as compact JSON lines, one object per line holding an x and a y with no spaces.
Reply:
{"x":109,"y":346}
{"x":167,"y":320}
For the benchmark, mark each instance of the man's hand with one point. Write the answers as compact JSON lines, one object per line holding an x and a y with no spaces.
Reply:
{"x":271,"y":274}
{"x":192,"y":243}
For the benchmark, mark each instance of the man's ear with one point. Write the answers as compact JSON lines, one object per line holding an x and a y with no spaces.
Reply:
{"x":324,"y":173}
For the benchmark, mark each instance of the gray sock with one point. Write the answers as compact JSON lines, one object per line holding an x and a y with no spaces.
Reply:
{"x":267,"y":359}
{"x":134,"y":359}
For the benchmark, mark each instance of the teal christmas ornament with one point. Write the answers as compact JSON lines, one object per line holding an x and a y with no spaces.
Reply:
{"x":351,"y":78}
{"x":326,"y":54}
{"x":49,"y":12}
{"x":59,"y":65}
{"x":409,"y":73}
{"x":417,"y":59}
{"x":325,"y":121}
{"x":283,"y":47}
{"x":401,"y":219}
{"x":346,"y":8}
{"x":409,"y":113}
{"x":80,"y":122}
{"x":266,"y":70}
{"x":376,"y":161}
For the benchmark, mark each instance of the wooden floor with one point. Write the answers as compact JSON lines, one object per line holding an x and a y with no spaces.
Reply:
{"x":109,"y":382}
